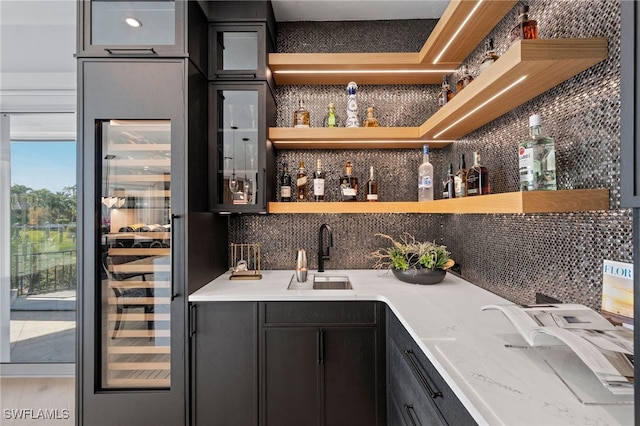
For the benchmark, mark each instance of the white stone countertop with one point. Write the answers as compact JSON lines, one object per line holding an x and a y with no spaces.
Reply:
{"x":497,"y":384}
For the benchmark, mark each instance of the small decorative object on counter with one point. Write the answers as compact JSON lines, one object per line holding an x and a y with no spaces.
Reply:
{"x":464,"y":78}
{"x":318,"y":182}
{"x":525,"y":28}
{"x":461,"y":178}
{"x":537,"y":159}
{"x":301,"y":183}
{"x":490,"y":55}
{"x":446,"y":94}
{"x":413,"y":261}
{"x":301,"y":266}
{"x":331,"y":119}
{"x":449,"y":185}
{"x":244,"y":261}
{"x":349,"y":184}
{"x":425,"y":177}
{"x":352,"y":106}
{"x":370,"y":121}
{"x":372,"y":187}
{"x":285,"y":184}
{"x":477,"y":177}
{"x":301,"y":116}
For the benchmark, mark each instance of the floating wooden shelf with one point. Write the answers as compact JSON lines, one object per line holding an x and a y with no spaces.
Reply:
{"x":399,"y":67}
{"x":528,"y":69}
{"x":349,"y":138}
{"x":570,"y":200}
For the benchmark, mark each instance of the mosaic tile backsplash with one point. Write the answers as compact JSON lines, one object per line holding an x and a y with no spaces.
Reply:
{"x":514,"y":256}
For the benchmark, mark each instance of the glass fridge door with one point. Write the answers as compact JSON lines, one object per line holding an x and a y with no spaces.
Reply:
{"x":135,"y":253}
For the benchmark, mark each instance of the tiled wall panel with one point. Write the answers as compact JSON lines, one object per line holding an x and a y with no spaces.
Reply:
{"x":512,"y":255}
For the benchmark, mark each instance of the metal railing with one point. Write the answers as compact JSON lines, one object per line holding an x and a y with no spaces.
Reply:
{"x":36,"y":273}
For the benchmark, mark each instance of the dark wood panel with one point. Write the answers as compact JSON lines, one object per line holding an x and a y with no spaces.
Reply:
{"x":320,"y":313}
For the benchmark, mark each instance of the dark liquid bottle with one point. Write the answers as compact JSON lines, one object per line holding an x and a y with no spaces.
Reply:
{"x":525,"y":28}
{"x":461,"y":179}
{"x":285,"y":184}
{"x":349,"y":184}
{"x":449,"y":185}
{"x":301,"y":183}
{"x":477,"y":178}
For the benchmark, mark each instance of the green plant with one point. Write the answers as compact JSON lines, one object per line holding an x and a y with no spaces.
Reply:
{"x":409,"y":253}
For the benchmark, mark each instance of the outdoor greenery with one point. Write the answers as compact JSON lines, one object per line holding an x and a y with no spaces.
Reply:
{"x":43,"y":239}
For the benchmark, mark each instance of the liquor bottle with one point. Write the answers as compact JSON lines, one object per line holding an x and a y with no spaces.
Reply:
{"x":301,"y":183}
{"x":370,"y":121}
{"x":331,"y":119}
{"x":352,"y":106}
{"x":318,"y":182}
{"x":525,"y":28}
{"x":301,"y":116}
{"x":449,"y":186}
{"x":461,"y":178}
{"x":425,"y":177}
{"x":490,"y":55}
{"x":446,"y":94}
{"x":477,"y":177}
{"x":285,"y":184}
{"x":372,"y":187}
{"x":537,"y":159}
{"x":464,"y":78}
{"x":349,"y":184}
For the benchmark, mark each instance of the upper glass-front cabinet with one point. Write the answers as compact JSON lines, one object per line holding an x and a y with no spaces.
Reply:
{"x":242,"y":176}
{"x":132,"y":28}
{"x":238,"y":51}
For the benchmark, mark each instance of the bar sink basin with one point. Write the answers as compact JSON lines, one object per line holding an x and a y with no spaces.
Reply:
{"x":321,"y":282}
{"x":331,"y":282}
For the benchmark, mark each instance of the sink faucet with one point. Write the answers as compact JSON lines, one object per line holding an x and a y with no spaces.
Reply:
{"x":321,"y":254}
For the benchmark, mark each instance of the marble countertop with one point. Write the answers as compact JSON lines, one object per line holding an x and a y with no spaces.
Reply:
{"x":479,"y":354}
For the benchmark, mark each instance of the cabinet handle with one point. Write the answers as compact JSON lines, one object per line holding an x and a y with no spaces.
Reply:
{"x":320,"y":346}
{"x":235,"y":76}
{"x":412,"y":414}
{"x":192,"y":322}
{"x":173,"y":292}
{"x":408,"y":353}
{"x":128,"y":51}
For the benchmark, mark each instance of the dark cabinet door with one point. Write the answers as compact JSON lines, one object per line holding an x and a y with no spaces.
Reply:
{"x":111,"y":28}
{"x":242,"y":173}
{"x":239,"y":51}
{"x":291,"y":388}
{"x":351,"y":374}
{"x":224,"y":363}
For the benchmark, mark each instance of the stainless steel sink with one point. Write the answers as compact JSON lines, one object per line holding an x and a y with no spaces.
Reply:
{"x":321,"y":282}
{"x":331,"y":282}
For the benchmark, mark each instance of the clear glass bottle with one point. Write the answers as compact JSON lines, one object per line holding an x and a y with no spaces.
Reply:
{"x":370,"y":121}
{"x":372,"y":187}
{"x":349,"y":184}
{"x":448,"y":185}
{"x":537,"y":159}
{"x":446,"y":94}
{"x":285,"y":183}
{"x":477,"y":177}
{"x":301,"y":183}
{"x":525,"y":28}
{"x":425,"y":177}
{"x":490,"y":55}
{"x":331,"y":119}
{"x":464,"y":78}
{"x":301,"y":116}
{"x":318,"y":182}
{"x":460,"y":178}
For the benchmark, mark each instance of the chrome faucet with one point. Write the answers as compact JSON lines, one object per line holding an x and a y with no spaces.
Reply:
{"x":321,"y":254}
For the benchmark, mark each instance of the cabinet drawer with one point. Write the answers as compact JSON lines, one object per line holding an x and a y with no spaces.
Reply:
{"x":319,"y":313}
{"x":429,"y":380}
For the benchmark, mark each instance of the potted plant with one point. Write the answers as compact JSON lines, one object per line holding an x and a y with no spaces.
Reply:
{"x":413,"y":261}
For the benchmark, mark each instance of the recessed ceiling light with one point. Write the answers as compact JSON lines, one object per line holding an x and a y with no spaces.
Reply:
{"x":133,"y":22}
